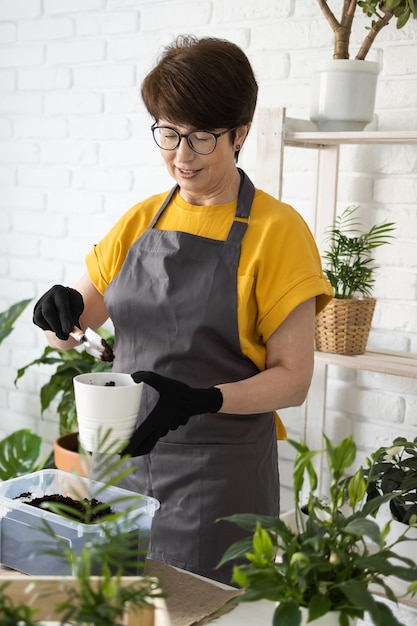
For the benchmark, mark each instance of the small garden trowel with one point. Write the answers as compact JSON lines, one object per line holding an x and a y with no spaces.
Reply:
{"x":93,"y":343}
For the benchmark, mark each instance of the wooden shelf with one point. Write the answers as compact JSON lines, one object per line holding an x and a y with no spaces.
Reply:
{"x":313,"y":139}
{"x":276,"y":131}
{"x":387,"y":362}
{"x":317,"y":139}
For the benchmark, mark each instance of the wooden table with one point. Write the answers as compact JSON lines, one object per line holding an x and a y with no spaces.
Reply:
{"x":196,"y":601}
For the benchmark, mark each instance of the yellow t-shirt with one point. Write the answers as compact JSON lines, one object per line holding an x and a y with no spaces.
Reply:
{"x":279,"y":266}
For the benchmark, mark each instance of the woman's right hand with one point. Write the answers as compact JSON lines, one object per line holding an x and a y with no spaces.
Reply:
{"x":59,"y":310}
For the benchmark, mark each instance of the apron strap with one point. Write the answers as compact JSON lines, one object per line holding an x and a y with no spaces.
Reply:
{"x":163,"y":206}
{"x":243,"y":208}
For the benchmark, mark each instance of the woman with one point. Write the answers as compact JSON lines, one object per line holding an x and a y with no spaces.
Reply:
{"x":212,"y":290}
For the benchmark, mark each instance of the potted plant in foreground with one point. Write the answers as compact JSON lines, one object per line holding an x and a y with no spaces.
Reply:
{"x":344,"y":324}
{"x":103,"y":560}
{"x":344,"y":89}
{"x":325,"y":562}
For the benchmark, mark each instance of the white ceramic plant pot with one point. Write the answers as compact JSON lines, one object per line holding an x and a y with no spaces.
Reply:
{"x":403,"y":548}
{"x":343,"y":94}
{"x":329,"y":619}
{"x":106,"y":401}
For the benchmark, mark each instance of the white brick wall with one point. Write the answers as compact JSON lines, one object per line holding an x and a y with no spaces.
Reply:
{"x":76,"y":152}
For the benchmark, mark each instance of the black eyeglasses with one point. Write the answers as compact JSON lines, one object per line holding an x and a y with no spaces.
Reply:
{"x":201,"y":141}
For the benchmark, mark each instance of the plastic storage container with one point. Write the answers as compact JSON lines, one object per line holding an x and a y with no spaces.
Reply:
{"x":24,"y":544}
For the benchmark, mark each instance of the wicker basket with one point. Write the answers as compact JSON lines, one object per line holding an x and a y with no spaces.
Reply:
{"x":343,"y":326}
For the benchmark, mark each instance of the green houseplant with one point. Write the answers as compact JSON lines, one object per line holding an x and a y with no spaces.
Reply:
{"x":344,"y":88}
{"x":59,"y":388}
{"x":325,"y":561}
{"x":9,"y":316}
{"x":392,"y":469}
{"x":343,"y":326}
{"x":20,"y":451}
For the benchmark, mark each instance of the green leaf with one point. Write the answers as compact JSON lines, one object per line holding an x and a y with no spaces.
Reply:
{"x":249,"y":521}
{"x":303,"y":463}
{"x":363,"y":527}
{"x":8,"y":317}
{"x":356,"y":488}
{"x":236,"y":551}
{"x":318,"y":606}
{"x":357,"y":593}
{"x":340,"y":457}
{"x":19,"y":454}
{"x":386,"y":616}
{"x":263,"y":550}
{"x":287,"y":613}
{"x":403,"y":18}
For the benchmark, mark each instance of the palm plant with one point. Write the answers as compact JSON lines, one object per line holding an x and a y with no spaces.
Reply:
{"x":98,"y":592}
{"x":349,"y":265}
{"x":14,"y":613}
{"x":381,"y":12}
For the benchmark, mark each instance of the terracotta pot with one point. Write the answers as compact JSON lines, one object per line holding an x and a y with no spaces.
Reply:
{"x":66,"y":455}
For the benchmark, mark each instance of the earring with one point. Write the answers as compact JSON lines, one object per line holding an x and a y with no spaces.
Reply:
{"x":237,"y":147}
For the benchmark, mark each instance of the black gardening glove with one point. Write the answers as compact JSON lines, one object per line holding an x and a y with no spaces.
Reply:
{"x":177,"y":403}
{"x":59,"y":310}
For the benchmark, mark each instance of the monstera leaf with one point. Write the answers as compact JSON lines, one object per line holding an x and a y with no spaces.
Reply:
{"x":19,"y":454}
{"x":8,"y":317}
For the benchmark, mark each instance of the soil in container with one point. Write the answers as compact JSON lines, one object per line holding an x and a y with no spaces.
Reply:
{"x":80,"y":507}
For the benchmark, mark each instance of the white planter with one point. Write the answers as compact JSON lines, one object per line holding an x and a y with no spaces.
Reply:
{"x":329,"y":619}
{"x":343,"y":94}
{"x":404,"y":548}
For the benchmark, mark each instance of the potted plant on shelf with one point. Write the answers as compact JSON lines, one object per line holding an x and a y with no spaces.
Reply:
{"x":60,"y":388}
{"x":327,"y":563}
{"x":344,"y":324}
{"x":344,"y":89}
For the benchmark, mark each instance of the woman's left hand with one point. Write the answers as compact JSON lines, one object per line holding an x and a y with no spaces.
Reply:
{"x":177,"y":403}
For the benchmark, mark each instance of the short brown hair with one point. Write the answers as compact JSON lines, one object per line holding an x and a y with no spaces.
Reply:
{"x":204,"y":83}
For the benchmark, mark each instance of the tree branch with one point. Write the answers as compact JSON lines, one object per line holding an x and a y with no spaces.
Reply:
{"x":372,"y":33}
{"x":342,"y":29}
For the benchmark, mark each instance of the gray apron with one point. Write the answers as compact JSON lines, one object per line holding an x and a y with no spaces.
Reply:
{"x":174,"y":309}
